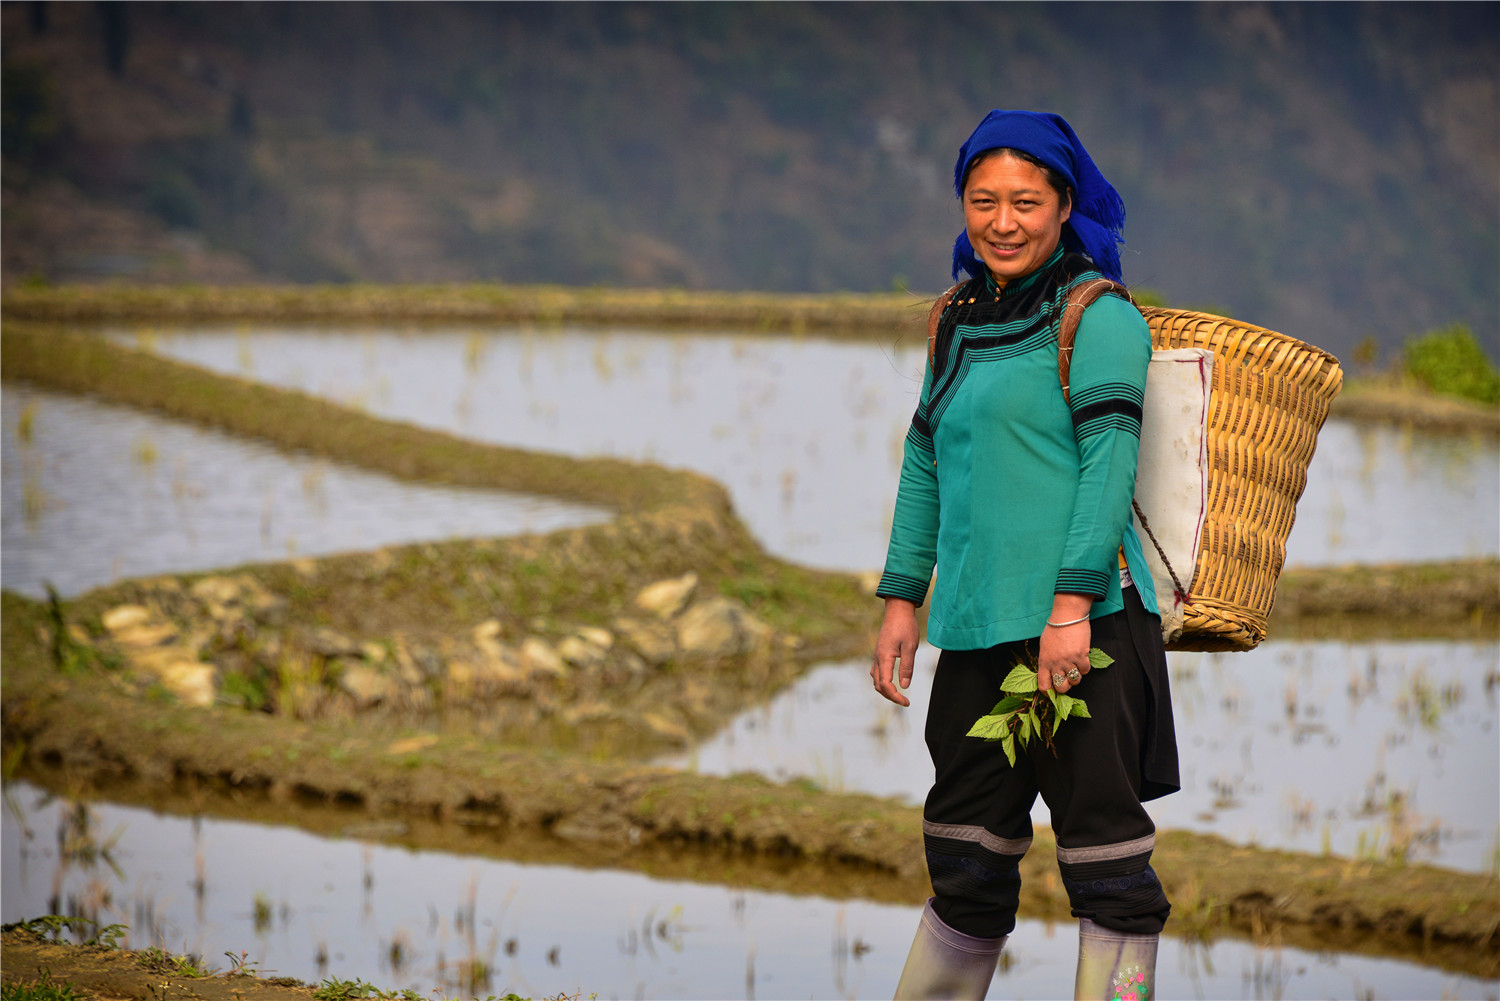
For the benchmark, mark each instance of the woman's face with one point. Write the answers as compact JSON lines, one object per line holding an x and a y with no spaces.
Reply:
{"x":1013,"y":216}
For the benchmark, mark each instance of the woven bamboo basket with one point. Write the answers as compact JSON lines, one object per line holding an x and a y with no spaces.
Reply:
{"x":1269,"y":397}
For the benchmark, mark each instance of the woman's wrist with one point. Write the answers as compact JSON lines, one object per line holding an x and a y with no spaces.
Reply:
{"x":900,"y":606}
{"x":1069,"y":610}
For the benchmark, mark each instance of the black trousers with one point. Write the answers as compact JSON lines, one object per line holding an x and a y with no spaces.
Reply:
{"x":977,"y":820}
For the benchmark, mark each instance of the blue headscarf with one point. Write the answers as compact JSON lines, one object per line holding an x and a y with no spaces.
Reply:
{"x":1098,"y":214}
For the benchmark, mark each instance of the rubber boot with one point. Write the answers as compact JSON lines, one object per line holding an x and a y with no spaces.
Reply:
{"x":1114,"y":965}
{"x":947,"y":964}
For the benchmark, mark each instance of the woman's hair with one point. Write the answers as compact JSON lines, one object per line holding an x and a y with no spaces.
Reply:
{"x":1054,"y":180}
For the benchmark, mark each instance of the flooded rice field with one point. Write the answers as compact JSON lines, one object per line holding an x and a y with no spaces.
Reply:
{"x":1373,"y":750}
{"x":95,"y":492}
{"x":425,"y":920}
{"x":806,"y":434}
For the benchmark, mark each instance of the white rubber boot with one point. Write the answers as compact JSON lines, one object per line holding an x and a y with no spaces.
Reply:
{"x":1114,"y":965}
{"x":947,"y":964}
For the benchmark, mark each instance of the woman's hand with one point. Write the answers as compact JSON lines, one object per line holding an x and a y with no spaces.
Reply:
{"x":1065,"y":648}
{"x":897,"y":645}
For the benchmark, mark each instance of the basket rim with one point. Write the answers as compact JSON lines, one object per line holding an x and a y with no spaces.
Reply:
{"x":1194,"y":315}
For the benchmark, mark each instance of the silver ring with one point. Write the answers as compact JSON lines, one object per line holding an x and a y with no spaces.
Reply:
{"x":1073,"y":676}
{"x":1057,"y":679}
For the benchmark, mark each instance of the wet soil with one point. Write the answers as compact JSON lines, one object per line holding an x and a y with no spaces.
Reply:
{"x":104,"y":974}
{"x":123,"y":975}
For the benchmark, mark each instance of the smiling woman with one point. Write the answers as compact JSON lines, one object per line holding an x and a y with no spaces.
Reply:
{"x":1014,"y":210}
{"x":1018,"y":491}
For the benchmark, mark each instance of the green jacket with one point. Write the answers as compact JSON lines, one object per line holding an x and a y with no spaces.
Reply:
{"x":1011,"y":493}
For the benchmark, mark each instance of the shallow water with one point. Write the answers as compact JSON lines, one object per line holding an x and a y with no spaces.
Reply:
{"x":312,"y":907}
{"x":1355,"y":749}
{"x":95,"y":492}
{"x":807,"y":434}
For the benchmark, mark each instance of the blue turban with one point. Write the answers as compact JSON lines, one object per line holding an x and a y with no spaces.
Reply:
{"x":1098,"y":214}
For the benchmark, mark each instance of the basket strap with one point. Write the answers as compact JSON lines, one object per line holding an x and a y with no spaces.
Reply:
{"x":1080,"y":299}
{"x":935,"y":314}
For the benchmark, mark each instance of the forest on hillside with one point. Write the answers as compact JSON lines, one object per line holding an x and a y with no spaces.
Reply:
{"x":1330,"y":170}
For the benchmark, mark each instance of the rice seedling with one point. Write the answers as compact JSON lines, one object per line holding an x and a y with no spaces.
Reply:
{"x":26,"y":424}
{"x":143,"y":453}
{"x":78,"y":843}
{"x":315,"y":487}
{"x":244,"y":356}
{"x":35,"y":501}
{"x":1422,"y":702}
{"x":261,"y":913}
{"x":476,"y":347}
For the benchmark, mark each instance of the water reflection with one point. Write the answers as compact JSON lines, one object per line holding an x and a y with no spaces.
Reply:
{"x":806,"y":434}
{"x":312,"y":907}
{"x":1385,"y":749}
{"x":95,"y":492}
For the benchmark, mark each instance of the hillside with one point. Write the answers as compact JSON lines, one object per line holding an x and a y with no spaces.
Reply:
{"x":1332,"y":171}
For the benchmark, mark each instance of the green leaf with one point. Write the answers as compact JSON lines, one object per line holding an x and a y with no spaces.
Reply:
{"x":990,"y":727}
{"x":1025,"y":730}
{"x":1036,"y":724}
{"x":1008,"y":745}
{"x":1064,"y":704}
{"x":1098,"y":659}
{"x":1008,"y":704}
{"x":1021,"y":679}
{"x":1080,"y":708}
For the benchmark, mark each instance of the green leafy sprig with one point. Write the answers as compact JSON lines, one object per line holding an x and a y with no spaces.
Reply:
{"x":1025,"y":712}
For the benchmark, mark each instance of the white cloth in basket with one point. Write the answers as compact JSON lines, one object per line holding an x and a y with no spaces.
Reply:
{"x":1171,"y":480}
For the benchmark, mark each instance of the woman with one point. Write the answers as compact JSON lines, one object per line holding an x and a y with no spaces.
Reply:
{"x":1021,"y":500}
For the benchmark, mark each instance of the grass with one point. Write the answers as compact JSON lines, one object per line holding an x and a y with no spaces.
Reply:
{"x":864,"y":314}
{"x":1450,"y":361}
{"x":44,"y":989}
{"x":336,"y":989}
{"x":53,"y":927}
{"x":158,"y":960}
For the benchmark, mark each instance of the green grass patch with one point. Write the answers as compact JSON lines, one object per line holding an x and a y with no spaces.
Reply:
{"x":1451,"y":361}
{"x":44,"y":989}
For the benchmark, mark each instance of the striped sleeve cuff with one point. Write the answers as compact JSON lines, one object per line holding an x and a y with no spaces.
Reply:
{"x":895,"y":585}
{"x":1093,"y":583}
{"x":1110,"y":406}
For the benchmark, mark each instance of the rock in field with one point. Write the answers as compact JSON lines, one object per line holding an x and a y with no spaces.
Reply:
{"x":666,"y":597}
{"x":720,"y":627}
{"x":538,"y":657}
{"x":368,"y":685}
{"x":655,"y":643}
